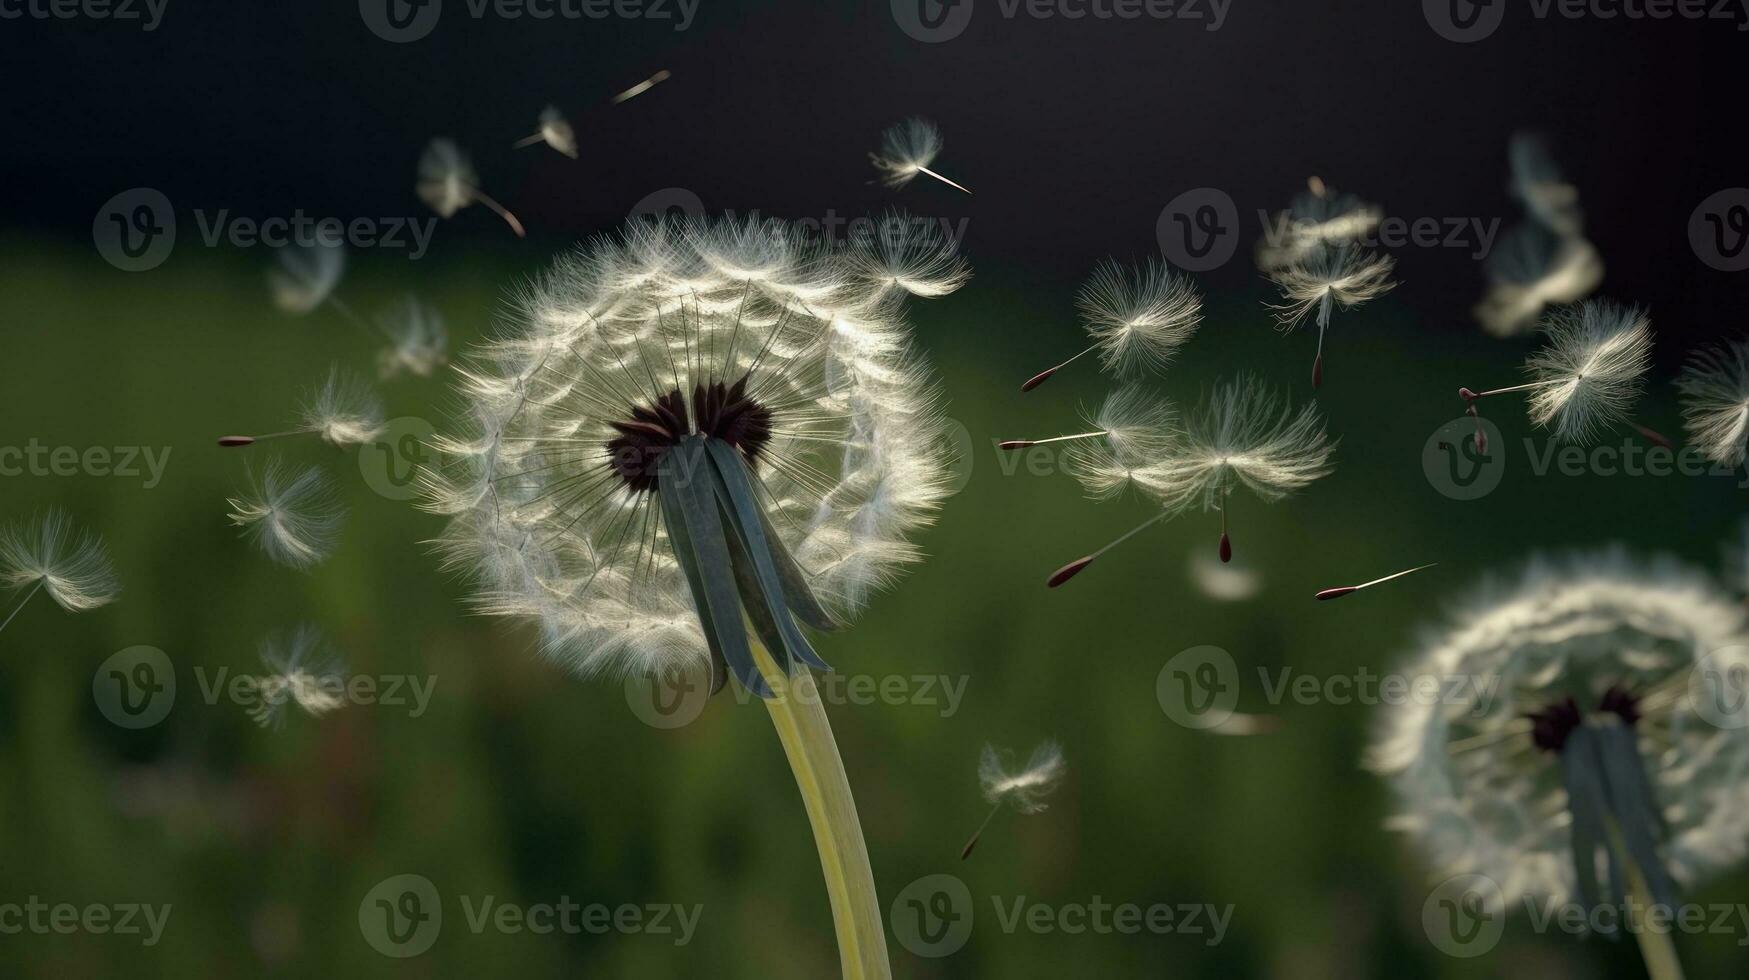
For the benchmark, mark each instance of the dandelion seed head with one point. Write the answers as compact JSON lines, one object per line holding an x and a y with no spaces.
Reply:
{"x":1530,"y":270}
{"x":1590,"y":369}
{"x":556,"y":131}
{"x":906,"y":149}
{"x":1138,"y":317}
{"x":73,"y":567}
{"x":1344,"y":275}
{"x":294,"y":517}
{"x":1471,"y":784}
{"x":1538,"y":182}
{"x":1139,"y":430}
{"x":344,"y":411}
{"x":1319,"y":217}
{"x":1245,"y":434}
{"x":302,"y":670}
{"x":418,"y":340}
{"x":1715,"y":401}
{"x":447,"y":181}
{"x":1026,"y":788}
{"x":790,"y":353}
{"x":304,"y":275}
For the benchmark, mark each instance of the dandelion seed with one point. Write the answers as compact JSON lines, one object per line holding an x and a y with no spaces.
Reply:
{"x":1345,"y":275}
{"x":1136,"y":317}
{"x":1025,"y":790}
{"x":418,"y":340}
{"x":48,"y":555}
{"x":344,"y":412}
{"x":1318,"y":218}
{"x":305,"y":275}
{"x":1578,"y":730}
{"x":555,"y":131}
{"x":1587,"y":375}
{"x":1530,"y":270}
{"x":907,"y":150}
{"x":448,"y":183}
{"x":302,"y":670}
{"x":1537,"y":181}
{"x":1715,"y":396}
{"x":294,"y":518}
{"x":1341,"y":591}
{"x":1242,"y":436}
{"x":643,"y":86}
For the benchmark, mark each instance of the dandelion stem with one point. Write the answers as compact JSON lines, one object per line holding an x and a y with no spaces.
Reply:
{"x":806,"y":734}
{"x":967,"y":851}
{"x":1468,"y":395}
{"x":1655,"y":945}
{"x":21,"y":603}
{"x":926,"y":170}
{"x":529,"y":141}
{"x":1023,"y":443}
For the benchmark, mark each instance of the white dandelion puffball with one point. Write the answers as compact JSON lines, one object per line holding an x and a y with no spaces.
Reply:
{"x":1715,"y":401}
{"x":907,"y":150}
{"x":1597,"y":652}
{"x":1329,"y":276}
{"x":1538,"y":182}
{"x":418,"y":340}
{"x":1138,"y":317}
{"x":304,"y":276}
{"x":1244,"y":435}
{"x":46,"y":553}
{"x":344,"y":411}
{"x":294,"y":518}
{"x":688,"y":422}
{"x":1589,"y":373}
{"x":1026,"y":788}
{"x":1318,"y":217}
{"x":1530,"y":270}
{"x":302,"y":670}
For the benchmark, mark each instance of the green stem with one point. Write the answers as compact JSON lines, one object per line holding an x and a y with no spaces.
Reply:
{"x":813,"y":755}
{"x":1655,"y":945}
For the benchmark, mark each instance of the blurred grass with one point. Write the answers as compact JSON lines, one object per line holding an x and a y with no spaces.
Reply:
{"x":525,"y":784}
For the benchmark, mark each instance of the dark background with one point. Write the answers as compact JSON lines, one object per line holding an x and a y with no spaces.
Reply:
{"x":527,"y":784}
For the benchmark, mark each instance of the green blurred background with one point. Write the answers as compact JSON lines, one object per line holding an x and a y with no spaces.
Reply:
{"x":527,"y":785}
